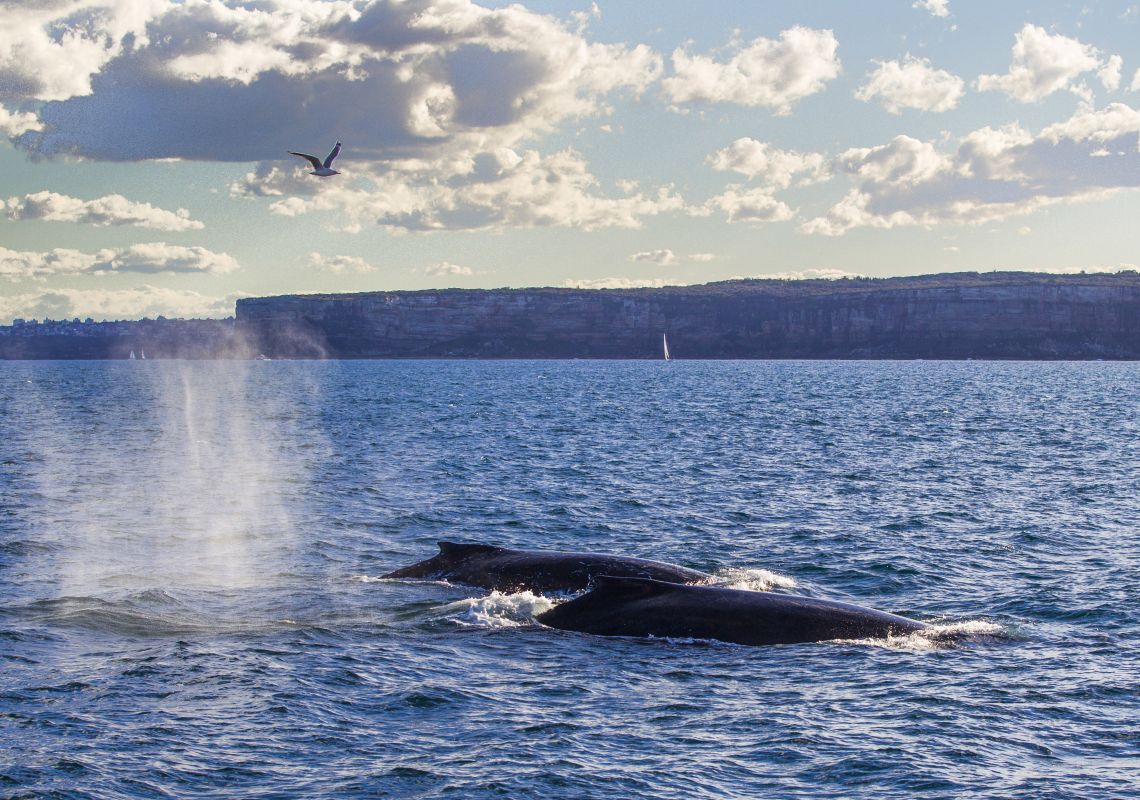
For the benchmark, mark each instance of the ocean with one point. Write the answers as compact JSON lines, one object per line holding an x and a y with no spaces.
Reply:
{"x":190,"y":600}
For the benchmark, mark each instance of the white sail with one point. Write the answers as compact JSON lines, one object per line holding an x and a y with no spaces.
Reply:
{"x":665,"y":344}
{"x":133,"y":356}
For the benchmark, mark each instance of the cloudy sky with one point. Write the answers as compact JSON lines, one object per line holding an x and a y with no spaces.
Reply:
{"x":144,"y":166}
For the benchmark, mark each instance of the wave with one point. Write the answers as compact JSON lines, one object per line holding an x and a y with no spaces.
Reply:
{"x":498,"y":610}
{"x":753,"y":580}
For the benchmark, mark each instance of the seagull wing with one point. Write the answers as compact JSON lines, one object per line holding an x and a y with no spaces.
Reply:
{"x":316,"y":162}
{"x":335,"y":152}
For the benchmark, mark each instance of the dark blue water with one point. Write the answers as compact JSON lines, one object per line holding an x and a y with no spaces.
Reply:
{"x":189,"y":604}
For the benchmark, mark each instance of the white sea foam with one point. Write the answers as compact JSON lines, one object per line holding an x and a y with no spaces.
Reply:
{"x":936,"y":636}
{"x":498,"y":610}
{"x":753,"y":580}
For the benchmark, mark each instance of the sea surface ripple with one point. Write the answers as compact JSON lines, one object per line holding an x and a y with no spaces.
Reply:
{"x":190,"y":602}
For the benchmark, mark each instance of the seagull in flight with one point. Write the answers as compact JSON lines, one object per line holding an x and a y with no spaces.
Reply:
{"x":322,"y":170}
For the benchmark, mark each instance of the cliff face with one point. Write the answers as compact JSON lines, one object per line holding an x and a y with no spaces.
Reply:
{"x":992,"y":315}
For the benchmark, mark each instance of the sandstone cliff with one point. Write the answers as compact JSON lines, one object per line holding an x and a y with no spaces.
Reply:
{"x":964,"y":315}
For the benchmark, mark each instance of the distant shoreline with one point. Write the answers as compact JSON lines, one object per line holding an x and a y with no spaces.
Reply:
{"x":954,"y":316}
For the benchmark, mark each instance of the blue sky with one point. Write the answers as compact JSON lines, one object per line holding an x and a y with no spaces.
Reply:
{"x":490,"y":144}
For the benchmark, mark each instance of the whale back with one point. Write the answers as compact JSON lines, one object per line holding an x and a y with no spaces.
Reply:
{"x":460,"y":550}
{"x":620,"y":587}
{"x":444,"y":563}
{"x":645,"y":607}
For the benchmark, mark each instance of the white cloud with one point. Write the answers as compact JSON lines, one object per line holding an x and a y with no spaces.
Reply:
{"x":1112,"y":123}
{"x":991,"y":153}
{"x":661,"y":257}
{"x":912,"y":83}
{"x":158,"y":257}
{"x":1042,"y":63}
{"x":1110,"y":75}
{"x":742,"y":204}
{"x":768,"y":72}
{"x":19,"y":264}
{"x":809,"y":275}
{"x":432,"y":99}
{"x":14,"y":123}
{"x":112,"y":209}
{"x":147,"y":258}
{"x":775,"y":168}
{"x":51,"y":50}
{"x":1135,"y":85}
{"x":114,"y":304}
{"x":339,"y":264}
{"x":618,"y":283}
{"x":993,"y":174}
{"x":904,"y":161}
{"x":424,"y":79}
{"x":493,"y":191}
{"x":937,"y":8}
{"x":446,"y":268}
{"x":702,"y":257}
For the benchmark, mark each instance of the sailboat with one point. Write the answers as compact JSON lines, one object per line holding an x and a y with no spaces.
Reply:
{"x":665,"y":344}
{"x":133,"y":356}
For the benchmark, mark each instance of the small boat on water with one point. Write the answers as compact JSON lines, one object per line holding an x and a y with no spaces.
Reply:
{"x":665,"y":344}
{"x":133,"y":356}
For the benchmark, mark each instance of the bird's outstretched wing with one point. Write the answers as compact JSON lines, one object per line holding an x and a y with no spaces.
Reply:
{"x":316,"y":162}
{"x":335,"y":152}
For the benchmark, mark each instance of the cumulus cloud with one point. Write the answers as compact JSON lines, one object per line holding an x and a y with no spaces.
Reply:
{"x":743,"y":204}
{"x":661,"y":257}
{"x":114,"y":304}
{"x":146,"y":258}
{"x":1110,"y":73}
{"x":912,"y":83}
{"x":112,"y":209}
{"x":903,"y":161}
{"x":817,"y":274}
{"x":618,"y":283}
{"x":395,"y":80}
{"x":773,"y":73}
{"x":447,"y":268}
{"x":1135,"y":85}
{"x":50,"y":50}
{"x":14,"y":123}
{"x":1042,"y":63}
{"x":937,"y":8}
{"x":339,"y":265}
{"x":432,"y":98}
{"x":504,"y":189}
{"x":775,"y":168}
{"x":993,"y":174}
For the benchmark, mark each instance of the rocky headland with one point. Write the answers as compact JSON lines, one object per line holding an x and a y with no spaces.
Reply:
{"x":995,"y":315}
{"x":1006,"y":315}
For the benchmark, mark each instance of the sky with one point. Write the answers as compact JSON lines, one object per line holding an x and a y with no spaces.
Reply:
{"x":144,"y":165}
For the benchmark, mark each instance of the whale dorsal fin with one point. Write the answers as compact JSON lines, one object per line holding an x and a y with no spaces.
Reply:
{"x":464,"y":549}
{"x":631,"y":587}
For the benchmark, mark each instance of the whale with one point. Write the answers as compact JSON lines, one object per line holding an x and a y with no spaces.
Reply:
{"x":540,"y":571}
{"x":642,"y":607}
